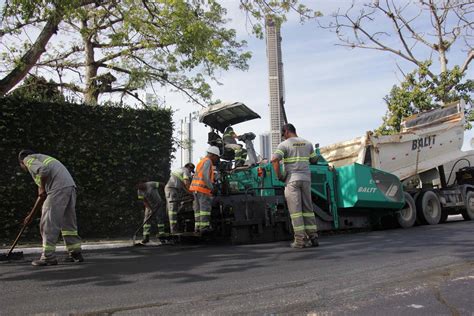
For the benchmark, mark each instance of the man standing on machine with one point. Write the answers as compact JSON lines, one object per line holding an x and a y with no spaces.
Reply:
{"x":229,"y":139}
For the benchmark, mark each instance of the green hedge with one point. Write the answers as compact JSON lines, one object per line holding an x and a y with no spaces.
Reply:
{"x":106,"y":149}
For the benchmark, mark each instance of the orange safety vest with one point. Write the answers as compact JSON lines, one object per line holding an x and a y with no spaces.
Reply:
{"x":198,"y":184}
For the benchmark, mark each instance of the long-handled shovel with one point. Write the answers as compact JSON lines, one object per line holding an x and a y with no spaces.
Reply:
{"x":18,"y":255}
{"x":140,"y":227}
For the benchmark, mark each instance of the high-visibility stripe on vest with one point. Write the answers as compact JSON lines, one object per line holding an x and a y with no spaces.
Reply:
{"x":198,"y":184}
{"x":296,"y":159}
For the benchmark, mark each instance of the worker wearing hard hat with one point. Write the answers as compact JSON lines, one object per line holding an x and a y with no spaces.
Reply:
{"x":175,"y":190}
{"x":230,"y":142}
{"x":203,"y":188}
{"x":296,"y":153}
{"x":148,"y":192}
{"x":58,"y":191}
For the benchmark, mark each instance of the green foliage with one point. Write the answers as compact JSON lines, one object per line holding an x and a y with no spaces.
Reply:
{"x":258,"y":10}
{"x":33,"y":9}
{"x":38,"y":89}
{"x":421,"y":92}
{"x":180,"y":44}
{"x":106,"y":149}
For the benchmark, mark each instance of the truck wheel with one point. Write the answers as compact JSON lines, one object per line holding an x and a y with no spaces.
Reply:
{"x":468,"y":213}
{"x":428,"y":208}
{"x":406,"y":217}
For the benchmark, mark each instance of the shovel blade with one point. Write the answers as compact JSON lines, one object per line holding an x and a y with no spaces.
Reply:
{"x":16,"y":255}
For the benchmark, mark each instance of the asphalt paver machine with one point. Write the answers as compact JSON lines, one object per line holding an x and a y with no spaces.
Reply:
{"x":250,"y":205}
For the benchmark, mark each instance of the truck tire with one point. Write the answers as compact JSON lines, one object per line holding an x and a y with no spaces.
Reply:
{"x":428,"y":208}
{"x":468,"y":212}
{"x":406,"y":217}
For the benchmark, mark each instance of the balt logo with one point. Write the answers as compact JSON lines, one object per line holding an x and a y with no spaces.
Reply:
{"x":423,"y":142}
{"x":367,"y":190}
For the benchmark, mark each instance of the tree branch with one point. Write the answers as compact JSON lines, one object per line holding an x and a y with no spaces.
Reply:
{"x":29,"y":59}
{"x":468,"y":60}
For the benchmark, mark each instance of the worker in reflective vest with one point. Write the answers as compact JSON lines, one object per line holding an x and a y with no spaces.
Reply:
{"x":175,"y":191}
{"x":297,"y":153}
{"x":203,"y":187}
{"x":148,"y":192}
{"x":229,"y":139}
{"x":58,"y":215}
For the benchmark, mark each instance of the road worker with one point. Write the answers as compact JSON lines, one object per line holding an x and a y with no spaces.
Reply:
{"x":149,"y":193}
{"x":57,"y":190}
{"x":229,"y":139}
{"x":176,"y":190}
{"x":203,"y":188}
{"x":296,"y":154}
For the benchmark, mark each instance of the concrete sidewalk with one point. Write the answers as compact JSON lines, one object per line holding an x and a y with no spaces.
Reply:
{"x":91,"y":245}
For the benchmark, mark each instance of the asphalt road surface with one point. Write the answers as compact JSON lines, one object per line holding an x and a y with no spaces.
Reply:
{"x":425,"y":270}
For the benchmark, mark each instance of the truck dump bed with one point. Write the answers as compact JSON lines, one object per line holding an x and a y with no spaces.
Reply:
{"x":427,"y":140}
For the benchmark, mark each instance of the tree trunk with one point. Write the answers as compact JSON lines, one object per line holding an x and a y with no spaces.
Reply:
{"x":442,"y":60}
{"x":30,"y":58}
{"x":91,"y":92}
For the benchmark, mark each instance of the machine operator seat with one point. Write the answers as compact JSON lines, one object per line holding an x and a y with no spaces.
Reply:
{"x":248,"y":138}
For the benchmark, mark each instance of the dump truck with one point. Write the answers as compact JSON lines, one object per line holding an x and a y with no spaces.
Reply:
{"x":427,"y":157}
{"x":250,"y":205}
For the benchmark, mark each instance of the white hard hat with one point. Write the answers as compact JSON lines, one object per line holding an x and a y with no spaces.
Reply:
{"x":214,"y":150}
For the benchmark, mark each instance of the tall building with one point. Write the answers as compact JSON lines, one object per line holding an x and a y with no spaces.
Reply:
{"x":265,"y":146}
{"x":275,"y":81}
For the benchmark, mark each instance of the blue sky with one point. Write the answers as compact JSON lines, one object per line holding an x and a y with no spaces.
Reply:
{"x":333,"y":93}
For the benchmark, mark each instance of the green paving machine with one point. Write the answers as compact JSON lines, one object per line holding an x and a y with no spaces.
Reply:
{"x":250,"y":205}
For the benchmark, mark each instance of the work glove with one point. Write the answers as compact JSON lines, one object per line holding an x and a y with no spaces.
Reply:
{"x":27,"y":220}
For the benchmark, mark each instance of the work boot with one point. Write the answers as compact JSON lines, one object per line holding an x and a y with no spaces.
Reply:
{"x":74,"y":257}
{"x":166,"y":241}
{"x":311,"y":242}
{"x":45,"y":261}
{"x":298,"y":242}
{"x":314,"y":241}
{"x":297,"y":245}
{"x":145,"y":240}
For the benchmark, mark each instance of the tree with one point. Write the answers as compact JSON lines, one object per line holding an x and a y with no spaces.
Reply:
{"x":122,"y":46}
{"x":418,"y":93}
{"x":412,"y":39}
{"x":39,"y":89}
{"x":24,"y":13}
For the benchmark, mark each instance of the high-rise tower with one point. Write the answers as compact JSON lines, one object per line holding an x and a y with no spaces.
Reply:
{"x":275,"y":81}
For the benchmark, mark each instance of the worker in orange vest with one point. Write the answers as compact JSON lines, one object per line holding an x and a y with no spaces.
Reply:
{"x":203,"y":187}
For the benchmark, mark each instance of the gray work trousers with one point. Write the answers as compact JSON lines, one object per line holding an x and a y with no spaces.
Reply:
{"x":159,"y":213}
{"x":58,"y":215}
{"x":202,"y":205}
{"x":300,"y":206}
{"x":173,"y":197}
{"x":239,"y":160}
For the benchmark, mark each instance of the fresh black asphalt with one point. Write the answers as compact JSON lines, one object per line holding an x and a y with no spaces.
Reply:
{"x":424,"y":270}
